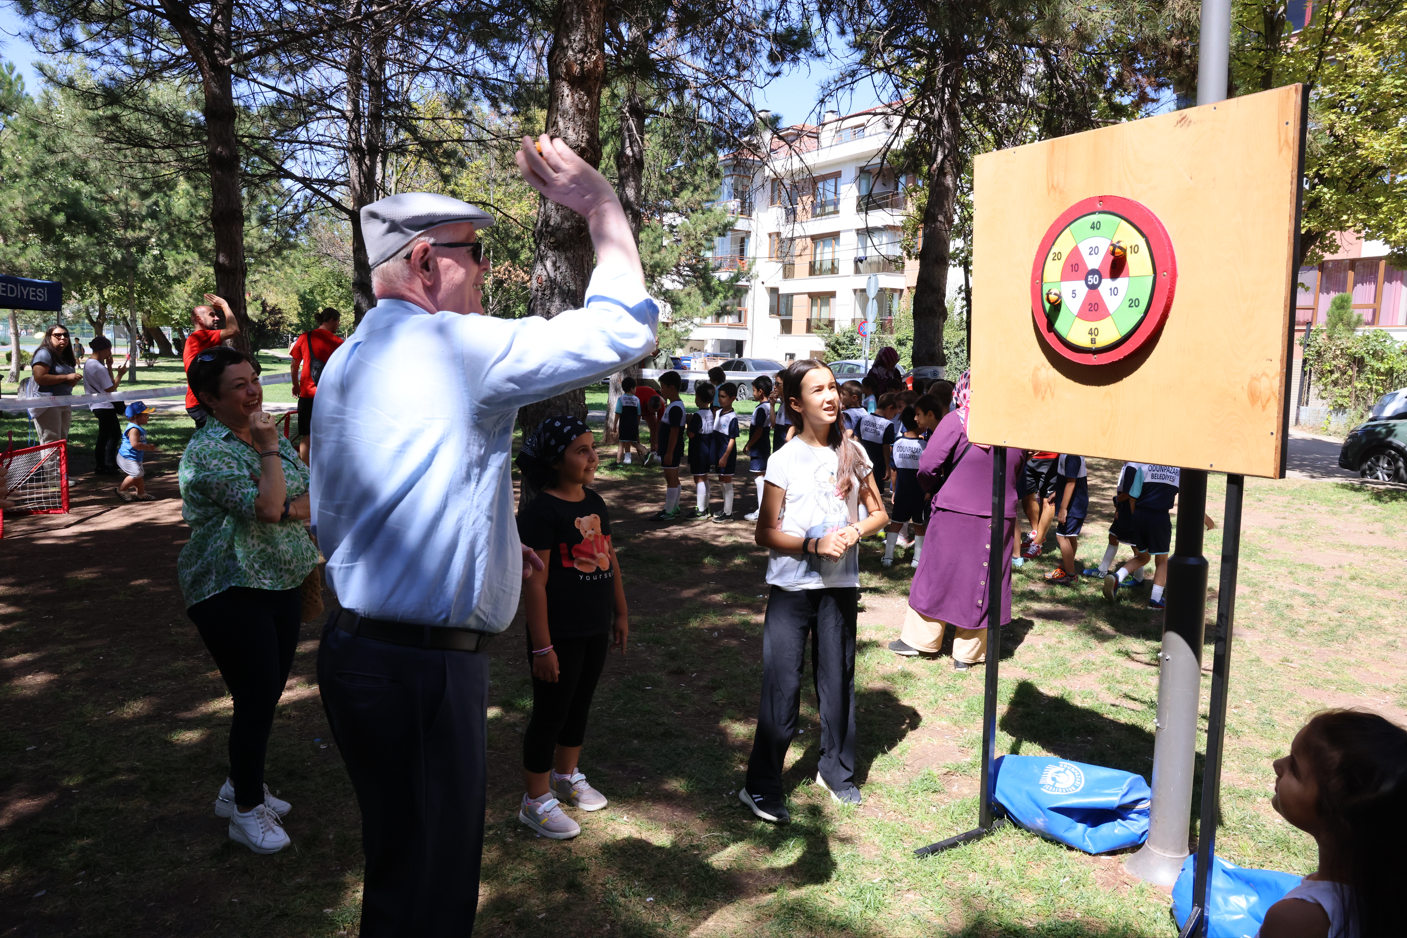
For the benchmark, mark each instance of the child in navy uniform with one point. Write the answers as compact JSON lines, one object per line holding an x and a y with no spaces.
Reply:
{"x":1071,"y":506}
{"x":699,"y":428}
{"x":910,"y":503}
{"x":852,"y":410}
{"x":1151,"y":494}
{"x":628,"y":423}
{"x":759,"y":438}
{"x":1121,"y":530}
{"x":670,"y":443}
{"x":876,"y":434}
{"x":782,"y":428}
{"x":725,"y":447}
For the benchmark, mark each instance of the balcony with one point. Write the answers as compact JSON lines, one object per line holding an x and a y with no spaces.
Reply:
{"x":789,"y":270}
{"x":878,"y":264}
{"x":824,"y":267}
{"x":824,"y":207}
{"x":735,"y":207}
{"x":891,"y":200}
{"x":803,"y":326}
{"x":726,"y":262}
{"x":733,"y":316}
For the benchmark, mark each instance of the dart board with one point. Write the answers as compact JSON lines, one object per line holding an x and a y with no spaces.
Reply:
{"x":1103,"y":281}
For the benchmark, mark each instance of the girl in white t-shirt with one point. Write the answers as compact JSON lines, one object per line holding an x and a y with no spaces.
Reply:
{"x":810,"y":521}
{"x":1345,"y":784}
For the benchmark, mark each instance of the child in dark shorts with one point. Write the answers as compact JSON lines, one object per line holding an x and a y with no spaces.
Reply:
{"x":699,"y":428}
{"x":725,"y":447}
{"x":910,"y":502}
{"x":759,"y":439}
{"x":1121,"y":530}
{"x":669,"y":443}
{"x":1071,"y":506}
{"x":1035,"y":486}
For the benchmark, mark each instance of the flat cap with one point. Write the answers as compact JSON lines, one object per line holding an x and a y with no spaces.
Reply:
{"x":390,"y":224}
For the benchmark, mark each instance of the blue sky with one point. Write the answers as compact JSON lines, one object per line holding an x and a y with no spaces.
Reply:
{"x":794,"y":95}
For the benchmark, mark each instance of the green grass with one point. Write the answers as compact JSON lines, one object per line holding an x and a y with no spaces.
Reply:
{"x":675,"y":854}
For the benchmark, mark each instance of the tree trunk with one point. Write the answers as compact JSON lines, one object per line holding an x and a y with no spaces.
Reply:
{"x":100,"y":322}
{"x":222,"y":148}
{"x":366,"y":82}
{"x":630,"y":185}
{"x":931,"y":290}
{"x":576,"y":67}
{"x":14,"y":347}
{"x":155,"y":336}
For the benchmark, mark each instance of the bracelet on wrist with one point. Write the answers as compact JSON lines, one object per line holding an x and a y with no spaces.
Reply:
{"x":272,"y":452}
{"x":542,"y":651}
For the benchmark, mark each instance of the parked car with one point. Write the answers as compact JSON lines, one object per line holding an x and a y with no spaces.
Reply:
{"x":741,"y":371}
{"x":849,"y":370}
{"x":1377,"y":449}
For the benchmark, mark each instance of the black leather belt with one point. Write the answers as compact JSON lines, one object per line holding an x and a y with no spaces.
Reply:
{"x":407,"y":633}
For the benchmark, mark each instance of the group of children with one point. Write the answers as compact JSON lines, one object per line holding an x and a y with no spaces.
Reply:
{"x":1054,"y":487}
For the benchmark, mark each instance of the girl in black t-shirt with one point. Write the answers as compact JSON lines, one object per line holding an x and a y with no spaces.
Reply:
{"x":575,"y":606}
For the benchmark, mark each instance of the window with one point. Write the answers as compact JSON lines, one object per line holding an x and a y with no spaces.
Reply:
{"x":886,"y":300}
{"x":821,"y":308}
{"x":878,"y":251}
{"x":823,"y":255}
{"x":782,"y":192}
{"x":778,"y":304}
{"x":780,"y":248}
{"x":827,"y":196}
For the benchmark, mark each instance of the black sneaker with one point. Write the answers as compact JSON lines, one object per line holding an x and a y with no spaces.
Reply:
{"x":849,"y":795}
{"x":961,"y":665}
{"x":901,"y":647}
{"x":720,"y":518}
{"x":768,"y":807}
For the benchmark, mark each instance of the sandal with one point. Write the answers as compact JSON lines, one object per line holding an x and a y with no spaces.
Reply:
{"x":125,"y":496}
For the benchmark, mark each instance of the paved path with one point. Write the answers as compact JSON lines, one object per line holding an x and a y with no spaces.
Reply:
{"x":1315,"y":457}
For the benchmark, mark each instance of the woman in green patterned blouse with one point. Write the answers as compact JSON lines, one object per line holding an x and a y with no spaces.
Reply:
{"x":245,"y":496}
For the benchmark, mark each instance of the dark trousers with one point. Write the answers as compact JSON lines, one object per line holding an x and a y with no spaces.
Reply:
{"x":198,"y":414}
{"x":252,"y":635}
{"x":109,"y":439}
{"x":412,"y":725}
{"x":560,"y":707}
{"x":827,"y":618}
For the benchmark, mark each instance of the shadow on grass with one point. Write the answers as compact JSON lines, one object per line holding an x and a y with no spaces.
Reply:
{"x":983,"y":924}
{"x":1382,"y":494}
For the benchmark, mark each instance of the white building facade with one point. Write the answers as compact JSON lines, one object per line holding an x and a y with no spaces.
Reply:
{"x":814,"y":220}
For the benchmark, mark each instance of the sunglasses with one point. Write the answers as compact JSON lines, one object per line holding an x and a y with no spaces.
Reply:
{"x":476,"y":249}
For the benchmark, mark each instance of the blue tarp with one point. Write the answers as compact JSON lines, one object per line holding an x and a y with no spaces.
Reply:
{"x":1089,"y":807}
{"x":1237,"y":899}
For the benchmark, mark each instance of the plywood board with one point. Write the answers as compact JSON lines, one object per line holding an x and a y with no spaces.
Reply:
{"x":1209,"y":391}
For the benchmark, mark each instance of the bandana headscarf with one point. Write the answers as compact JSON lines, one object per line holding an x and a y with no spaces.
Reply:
{"x":885,"y":370}
{"x":546,"y":444}
{"x":962,"y":397}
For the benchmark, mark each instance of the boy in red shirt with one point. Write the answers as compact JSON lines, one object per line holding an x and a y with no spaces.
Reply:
{"x":211,"y":329}
{"x":310,"y":352}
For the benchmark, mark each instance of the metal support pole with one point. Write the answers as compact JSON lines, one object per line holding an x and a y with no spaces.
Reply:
{"x":1179,"y":691}
{"x":1184,"y":623}
{"x":1216,"y":717}
{"x":989,"y":816}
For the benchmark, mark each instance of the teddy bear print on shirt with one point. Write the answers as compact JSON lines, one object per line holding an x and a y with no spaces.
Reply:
{"x":594,"y":551}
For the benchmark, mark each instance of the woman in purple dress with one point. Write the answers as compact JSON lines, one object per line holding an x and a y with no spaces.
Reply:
{"x":950,"y":585}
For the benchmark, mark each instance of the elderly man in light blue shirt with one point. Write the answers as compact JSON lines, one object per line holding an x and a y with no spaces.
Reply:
{"x":413,"y":506}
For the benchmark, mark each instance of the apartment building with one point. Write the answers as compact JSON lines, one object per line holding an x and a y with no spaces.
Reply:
{"x":814,"y":217}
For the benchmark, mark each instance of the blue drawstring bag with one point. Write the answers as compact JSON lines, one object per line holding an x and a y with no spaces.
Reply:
{"x":1237,"y":899}
{"x":1087,"y":807}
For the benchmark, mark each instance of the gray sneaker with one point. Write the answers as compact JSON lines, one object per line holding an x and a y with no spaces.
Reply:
{"x":576,"y":792}
{"x":849,"y":795}
{"x":546,"y":818}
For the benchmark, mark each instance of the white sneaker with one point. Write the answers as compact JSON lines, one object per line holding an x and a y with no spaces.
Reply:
{"x":225,"y":803}
{"x":750,"y":516}
{"x":914,"y":564}
{"x":260,"y":830}
{"x":888,"y":561}
{"x":575,"y":791}
{"x":546,"y":818}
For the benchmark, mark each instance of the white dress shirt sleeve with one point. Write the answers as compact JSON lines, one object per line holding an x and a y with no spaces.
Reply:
{"x":519,"y":361}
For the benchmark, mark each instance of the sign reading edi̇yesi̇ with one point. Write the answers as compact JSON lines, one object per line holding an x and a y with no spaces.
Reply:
{"x":20,"y":293}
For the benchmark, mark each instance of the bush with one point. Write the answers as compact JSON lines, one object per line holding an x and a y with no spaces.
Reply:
{"x":1354,"y":369}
